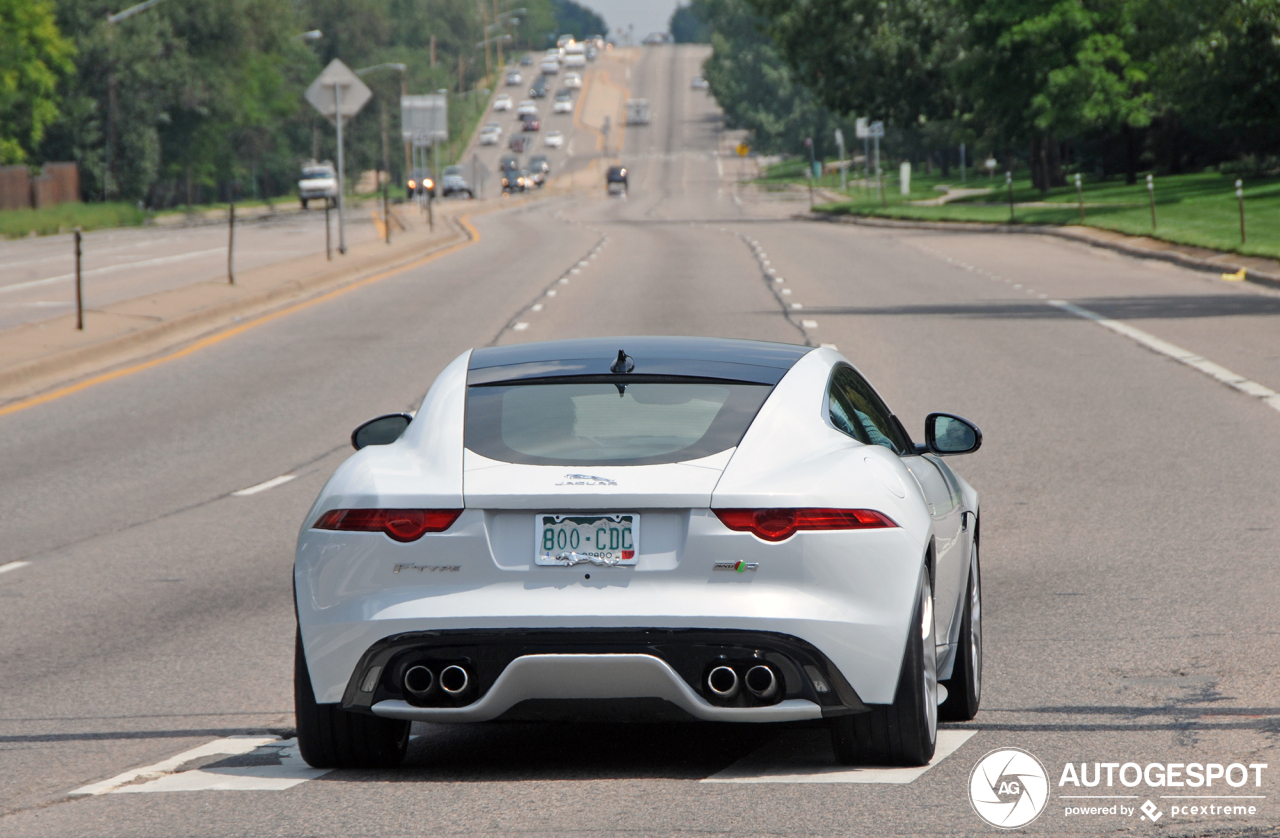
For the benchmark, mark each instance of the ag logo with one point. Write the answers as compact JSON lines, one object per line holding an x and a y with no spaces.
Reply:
{"x":1008,"y":788}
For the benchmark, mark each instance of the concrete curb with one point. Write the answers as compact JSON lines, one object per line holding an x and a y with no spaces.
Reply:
{"x":289,"y":291}
{"x":1187,"y":261}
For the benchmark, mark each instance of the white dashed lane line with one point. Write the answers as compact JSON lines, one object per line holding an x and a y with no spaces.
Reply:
{"x":239,"y":763}
{"x":262,"y":487}
{"x":805,"y":757}
{"x":1150,"y":341}
{"x":8,"y":566}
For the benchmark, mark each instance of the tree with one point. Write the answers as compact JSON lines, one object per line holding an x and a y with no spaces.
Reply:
{"x":34,"y":56}
{"x":577,"y":20}
{"x":688,"y":27}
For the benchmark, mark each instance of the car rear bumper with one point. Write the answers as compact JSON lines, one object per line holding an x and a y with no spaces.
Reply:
{"x":562,"y":673}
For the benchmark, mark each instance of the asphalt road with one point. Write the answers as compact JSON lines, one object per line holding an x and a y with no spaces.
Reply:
{"x":1129,"y":513}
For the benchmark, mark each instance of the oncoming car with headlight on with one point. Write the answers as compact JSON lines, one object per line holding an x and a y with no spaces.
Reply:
{"x":642,"y":527}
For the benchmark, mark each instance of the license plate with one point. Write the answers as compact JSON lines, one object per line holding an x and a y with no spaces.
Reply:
{"x":609,"y":540}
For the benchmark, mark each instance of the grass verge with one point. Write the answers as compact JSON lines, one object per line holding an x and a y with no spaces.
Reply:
{"x":1199,"y":210}
{"x":16,"y":223}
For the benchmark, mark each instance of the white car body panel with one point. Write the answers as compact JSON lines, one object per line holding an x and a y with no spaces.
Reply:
{"x":849,"y":593}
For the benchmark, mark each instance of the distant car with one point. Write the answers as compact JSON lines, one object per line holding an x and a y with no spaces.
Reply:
{"x":564,"y":40}
{"x":509,"y":161}
{"x":592,"y":53}
{"x":453,"y":183}
{"x":615,"y":180}
{"x":539,"y":88}
{"x":550,"y":66}
{"x":491,"y":134}
{"x":575,"y":55}
{"x":420,"y":182}
{"x":540,"y":169}
{"x":513,"y":79}
{"x":554,"y":139}
{"x":529,"y":122}
{"x":563,"y":103}
{"x":502,"y":102}
{"x":319,"y":183}
{"x":527,"y":108}
{"x":655,"y":38}
{"x":573,"y":81}
{"x":526,"y":60}
{"x":517,"y":143}
{"x":515,"y":180}
{"x":699,"y":83}
{"x":637,"y":111}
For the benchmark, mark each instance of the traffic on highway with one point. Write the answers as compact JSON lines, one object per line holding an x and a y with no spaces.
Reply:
{"x":625,"y":494}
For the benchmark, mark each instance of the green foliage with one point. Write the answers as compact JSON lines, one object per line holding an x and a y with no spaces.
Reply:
{"x":33,"y":58}
{"x":688,"y":28}
{"x":577,"y":20}
{"x":754,"y":85}
{"x":65,"y":217}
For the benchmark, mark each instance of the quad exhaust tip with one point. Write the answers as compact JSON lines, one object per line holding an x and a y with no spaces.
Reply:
{"x":723,"y":681}
{"x":761,"y":682}
{"x":419,"y":682}
{"x":454,"y":680}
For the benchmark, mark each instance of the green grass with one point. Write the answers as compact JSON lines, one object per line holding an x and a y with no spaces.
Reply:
{"x":63,"y":218}
{"x":1198,"y":209}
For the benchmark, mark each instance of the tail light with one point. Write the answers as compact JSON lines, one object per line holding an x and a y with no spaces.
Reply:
{"x":397,"y":524}
{"x":781,"y":524}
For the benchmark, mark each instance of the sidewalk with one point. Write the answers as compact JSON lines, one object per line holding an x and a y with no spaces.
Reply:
{"x":37,"y":356}
{"x":1232,"y":266}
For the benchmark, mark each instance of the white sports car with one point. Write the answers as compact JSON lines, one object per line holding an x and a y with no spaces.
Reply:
{"x":642,"y":528}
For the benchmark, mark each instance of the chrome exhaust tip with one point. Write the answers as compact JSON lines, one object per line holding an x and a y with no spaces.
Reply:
{"x":419,"y":681}
{"x":723,"y":681}
{"x":761,"y":682}
{"x":454,"y":680}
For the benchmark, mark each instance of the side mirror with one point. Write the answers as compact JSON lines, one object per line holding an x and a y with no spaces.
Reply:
{"x":946,"y":434}
{"x":381,"y":431}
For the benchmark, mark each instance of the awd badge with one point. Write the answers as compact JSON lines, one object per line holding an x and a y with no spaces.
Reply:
{"x":738,"y":567}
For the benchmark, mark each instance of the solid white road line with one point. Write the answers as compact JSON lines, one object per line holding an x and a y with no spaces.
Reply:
{"x":262,"y":487}
{"x":805,"y":757}
{"x":8,"y":566}
{"x":520,"y":327}
{"x":1150,"y":341}
{"x":272,"y":765}
{"x":809,"y":324}
{"x":162,"y":260}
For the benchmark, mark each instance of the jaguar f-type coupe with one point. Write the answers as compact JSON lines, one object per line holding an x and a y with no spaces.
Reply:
{"x":642,"y":528}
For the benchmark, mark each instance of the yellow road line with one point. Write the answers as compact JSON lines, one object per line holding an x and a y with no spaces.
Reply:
{"x":211,"y":340}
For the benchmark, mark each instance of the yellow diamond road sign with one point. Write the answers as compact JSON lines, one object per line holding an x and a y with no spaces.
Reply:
{"x":743,"y":149}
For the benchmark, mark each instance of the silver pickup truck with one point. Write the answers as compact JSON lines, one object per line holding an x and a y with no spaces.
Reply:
{"x":319,"y":182}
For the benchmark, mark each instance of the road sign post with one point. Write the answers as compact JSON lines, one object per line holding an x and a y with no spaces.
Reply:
{"x":80,"y":291}
{"x":338,"y":94}
{"x":1239,"y":200}
{"x":1151,"y":194}
{"x":844,"y":167}
{"x":1080,"y":197}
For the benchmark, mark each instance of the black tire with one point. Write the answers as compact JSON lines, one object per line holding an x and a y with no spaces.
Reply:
{"x":330,"y":737}
{"x":964,"y":687}
{"x":905,"y":732}
{"x":304,"y":203}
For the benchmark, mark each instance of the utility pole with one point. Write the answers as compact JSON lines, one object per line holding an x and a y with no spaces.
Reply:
{"x":342,"y":187}
{"x":844,"y":164}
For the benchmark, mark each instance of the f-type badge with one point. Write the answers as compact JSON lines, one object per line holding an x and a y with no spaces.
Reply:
{"x":586,"y":480}
{"x":737,"y":567}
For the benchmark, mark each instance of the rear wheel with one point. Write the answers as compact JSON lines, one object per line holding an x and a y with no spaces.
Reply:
{"x":330,"y":737}
{"x":964,"y":687}
{"x":905,"y":732}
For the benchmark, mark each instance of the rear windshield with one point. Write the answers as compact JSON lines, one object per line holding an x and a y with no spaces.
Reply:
{"x":593,"y":423}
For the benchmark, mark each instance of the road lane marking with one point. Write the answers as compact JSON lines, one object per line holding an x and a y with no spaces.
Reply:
{"x":161,"y":260}
{"x":809,"y":324}
{"x":520,"y":327}
{"x":8,"y":566}
{"x":797,"y":305}
{"x":805,"y":757}
{"x":264,"y":485}
{"x":1150,"y":341}
{"x":249,"y":763}
{"x":219,"y":337}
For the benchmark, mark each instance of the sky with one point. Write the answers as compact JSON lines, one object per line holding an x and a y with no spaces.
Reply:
{"x":647,"y":15}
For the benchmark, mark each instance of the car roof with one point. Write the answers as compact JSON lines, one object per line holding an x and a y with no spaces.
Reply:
{"x":721,"y":358}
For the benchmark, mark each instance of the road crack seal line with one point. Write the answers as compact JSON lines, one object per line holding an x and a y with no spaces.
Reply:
{"x":774,"y":283}
{"x":1183,"y":356}
{"x":538,"y":303}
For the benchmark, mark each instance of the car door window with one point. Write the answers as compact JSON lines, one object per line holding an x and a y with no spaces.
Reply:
{"x":856,"y":410}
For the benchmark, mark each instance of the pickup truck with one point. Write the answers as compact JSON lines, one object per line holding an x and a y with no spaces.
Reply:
{"x":319,"y":182}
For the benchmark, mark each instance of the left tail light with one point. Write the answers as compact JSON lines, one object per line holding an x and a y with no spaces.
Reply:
{"x":781,"y":524}
{"x":397,"y":524}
